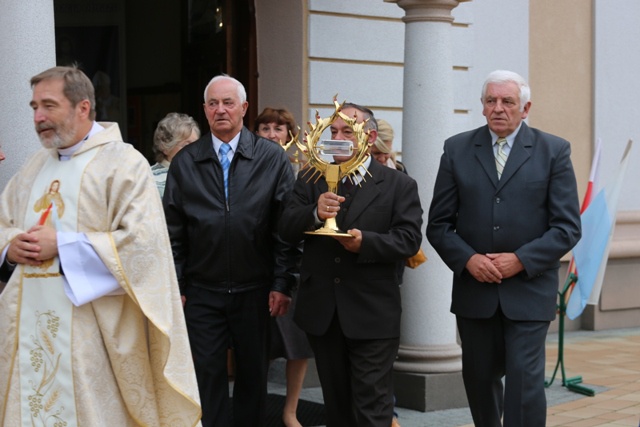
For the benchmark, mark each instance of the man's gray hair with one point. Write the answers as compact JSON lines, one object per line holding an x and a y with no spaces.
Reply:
{"x":242,"y":93}
{"x":505,"y":76}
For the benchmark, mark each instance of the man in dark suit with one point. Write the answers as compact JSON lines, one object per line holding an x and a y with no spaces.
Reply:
{"x":503,"y":237}
{"x":349,"y":299}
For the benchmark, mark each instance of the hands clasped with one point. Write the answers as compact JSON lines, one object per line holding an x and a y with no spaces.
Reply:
{"x":492,"y":268}
{"x":39,"y":243}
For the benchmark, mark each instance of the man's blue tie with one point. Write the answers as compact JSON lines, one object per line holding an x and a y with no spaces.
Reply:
{"x":224,"y":159}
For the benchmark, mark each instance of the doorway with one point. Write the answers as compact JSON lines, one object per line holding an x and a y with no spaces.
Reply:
{"x":147,"y":59}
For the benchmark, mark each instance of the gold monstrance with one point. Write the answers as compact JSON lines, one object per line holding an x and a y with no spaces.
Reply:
{"x":314,"y":148}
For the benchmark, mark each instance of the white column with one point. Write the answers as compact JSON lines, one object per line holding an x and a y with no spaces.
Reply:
{"x":27,"y":47}
{"x":428,"y":369}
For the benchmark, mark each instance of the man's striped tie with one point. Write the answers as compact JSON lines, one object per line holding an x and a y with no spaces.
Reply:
{"x":224,"y":159}
{"x":501,"y":156}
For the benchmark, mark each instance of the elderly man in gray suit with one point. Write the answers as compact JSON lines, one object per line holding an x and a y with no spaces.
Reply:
{"x":504,"y":211}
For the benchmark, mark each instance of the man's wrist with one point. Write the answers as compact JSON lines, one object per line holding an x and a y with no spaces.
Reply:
{"x":316,"y":217}
{"x":282,"y":287}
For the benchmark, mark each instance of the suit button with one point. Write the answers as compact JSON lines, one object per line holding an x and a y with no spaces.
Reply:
{"x":337,"y":260}
{"x":345,"y":210}
{"x":497,"y":199}
{"x":496,"y":227}
{"x":336,"y":280}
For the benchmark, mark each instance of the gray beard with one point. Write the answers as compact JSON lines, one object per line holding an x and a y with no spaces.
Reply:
{"x":56,"y":142}
{"x":63,"y":136}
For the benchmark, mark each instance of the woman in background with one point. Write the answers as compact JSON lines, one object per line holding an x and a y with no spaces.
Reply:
{"x":287,"y":339}
{"x":173,"y":132}
{"x":278,"y":124}
{"x":382,"y":148}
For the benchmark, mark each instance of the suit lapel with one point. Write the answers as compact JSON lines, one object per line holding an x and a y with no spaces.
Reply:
{"x":364,"y":195}
{"x":484,"y":154}
{"x":519,"y":154}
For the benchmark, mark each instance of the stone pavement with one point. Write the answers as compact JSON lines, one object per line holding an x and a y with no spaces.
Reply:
{"x":608,"y":361}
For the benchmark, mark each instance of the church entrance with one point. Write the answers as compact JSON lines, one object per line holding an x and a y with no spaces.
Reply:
{"x":149,"y":58}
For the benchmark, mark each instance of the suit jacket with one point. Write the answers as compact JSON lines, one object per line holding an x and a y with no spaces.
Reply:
{"x":533,"y":211}
{"x":363,"y":287}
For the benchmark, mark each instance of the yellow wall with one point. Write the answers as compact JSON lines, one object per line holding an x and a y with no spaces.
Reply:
{"x":561,"y":76}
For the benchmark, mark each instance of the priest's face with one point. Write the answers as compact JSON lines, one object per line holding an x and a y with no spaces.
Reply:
{"x":55,"y":119}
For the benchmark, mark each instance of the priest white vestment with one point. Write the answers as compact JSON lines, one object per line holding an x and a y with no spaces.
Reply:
{"x":129,"y":360}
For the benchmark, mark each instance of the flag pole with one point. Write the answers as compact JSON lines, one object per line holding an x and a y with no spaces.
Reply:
{"x":572,"y":383}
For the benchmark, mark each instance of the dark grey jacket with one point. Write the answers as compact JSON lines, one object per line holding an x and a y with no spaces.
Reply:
{"x":533,"y":211}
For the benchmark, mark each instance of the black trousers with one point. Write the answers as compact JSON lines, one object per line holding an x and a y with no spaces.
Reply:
{"x":498,"y":347}
{"x":214,"y":320}
{"x":356,"y":377}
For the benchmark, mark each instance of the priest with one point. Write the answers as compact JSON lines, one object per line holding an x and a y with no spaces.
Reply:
{"x":92,"y":331}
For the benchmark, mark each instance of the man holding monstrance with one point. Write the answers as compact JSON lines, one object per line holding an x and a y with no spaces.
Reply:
{"x":349,"y":298}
